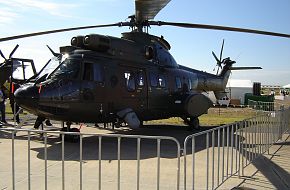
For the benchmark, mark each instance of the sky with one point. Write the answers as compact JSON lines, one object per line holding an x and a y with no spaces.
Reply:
{"x":190,"y":47}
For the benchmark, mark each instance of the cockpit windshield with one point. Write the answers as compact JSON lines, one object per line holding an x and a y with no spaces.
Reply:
{"x":52,"y":64}
{"x":69,"y":68}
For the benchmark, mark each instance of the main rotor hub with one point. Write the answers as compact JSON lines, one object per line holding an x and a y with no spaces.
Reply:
{"x":137,"y":25}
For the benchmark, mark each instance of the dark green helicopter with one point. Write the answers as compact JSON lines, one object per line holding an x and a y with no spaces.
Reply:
{"x":129,"y":79}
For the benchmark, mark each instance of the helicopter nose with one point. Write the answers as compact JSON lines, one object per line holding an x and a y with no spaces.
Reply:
{"x":27,"y":96}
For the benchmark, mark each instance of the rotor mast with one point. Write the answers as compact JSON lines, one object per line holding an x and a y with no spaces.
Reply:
{"x":146,"y":10}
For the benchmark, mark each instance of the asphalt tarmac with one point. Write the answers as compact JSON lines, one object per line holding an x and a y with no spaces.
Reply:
{"x":267,"y":172}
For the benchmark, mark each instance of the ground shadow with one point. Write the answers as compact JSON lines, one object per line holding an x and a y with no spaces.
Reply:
{"x":273,"y":172}
{"x":128,"y":146}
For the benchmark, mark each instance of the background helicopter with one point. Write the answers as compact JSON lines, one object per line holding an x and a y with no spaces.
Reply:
{"x":151,"y":85}
{"x":16,"y":70}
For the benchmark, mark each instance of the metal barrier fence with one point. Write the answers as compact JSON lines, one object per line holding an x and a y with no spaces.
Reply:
{"x":225,"y":151}
{"x":263,"y":106}
{"x":104,"y":161}
{"x":100,"y":155}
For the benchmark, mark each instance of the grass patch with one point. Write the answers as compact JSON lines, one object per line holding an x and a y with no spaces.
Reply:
{"x":9,"y":113}
{"x":215,"y":117}
{"x":223,"y":116}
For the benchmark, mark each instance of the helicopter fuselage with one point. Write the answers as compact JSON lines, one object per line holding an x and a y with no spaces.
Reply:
{"x":103,"y":75}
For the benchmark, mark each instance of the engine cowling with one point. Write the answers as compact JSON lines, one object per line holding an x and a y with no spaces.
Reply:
{"x":97,"y":42}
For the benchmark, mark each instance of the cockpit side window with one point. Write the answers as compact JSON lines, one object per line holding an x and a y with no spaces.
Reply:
{"x":93,"y":72}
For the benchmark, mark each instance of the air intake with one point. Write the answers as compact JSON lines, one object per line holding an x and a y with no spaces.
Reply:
{"x":78,"y":41}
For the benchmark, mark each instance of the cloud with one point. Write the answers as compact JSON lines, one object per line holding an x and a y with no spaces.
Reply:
{"x":266,"y":77}
{"x":56,"y":9}
{"x":7,"y":15}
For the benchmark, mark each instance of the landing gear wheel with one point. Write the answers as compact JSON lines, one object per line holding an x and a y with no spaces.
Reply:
{"x":194,"y":123}
{"x":141,"y":124}
{"x":70,"y":137}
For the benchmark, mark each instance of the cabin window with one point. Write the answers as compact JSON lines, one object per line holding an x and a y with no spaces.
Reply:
{"x":185,"y":87}
{"x":189,"y":84}
{"x":153,"y":80}
{"x":178,"y":82}
{"x":161,"y":81}
{"x":88,"y":72}
{"x":157,"y":80}
{"x":98,"y":73}
{"x":140,"y":79}
{"x":194,"y":81}
{"x":130,"y":81}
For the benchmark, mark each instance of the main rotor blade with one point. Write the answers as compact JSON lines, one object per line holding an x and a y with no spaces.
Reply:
{"x":222,"y":49}
{"x":217,"y":60}
{"x":148,"y":9}
{"x":215,"y":27}
{"x":59,"y":30}
{"x":245,"y":68}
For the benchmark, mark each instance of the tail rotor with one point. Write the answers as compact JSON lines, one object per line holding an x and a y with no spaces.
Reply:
{"x":219,"y":60}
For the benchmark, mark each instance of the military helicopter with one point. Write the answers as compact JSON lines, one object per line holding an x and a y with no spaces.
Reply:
{"x":130,"y":79}
{"x":16,"y":70}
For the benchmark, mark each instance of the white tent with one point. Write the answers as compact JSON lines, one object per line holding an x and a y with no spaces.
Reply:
{"x":240,"y":83}
{"x":286,"y":86}
{"x":238,"y":88}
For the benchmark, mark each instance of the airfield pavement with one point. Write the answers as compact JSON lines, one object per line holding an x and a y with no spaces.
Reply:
{"x":267,"y":172}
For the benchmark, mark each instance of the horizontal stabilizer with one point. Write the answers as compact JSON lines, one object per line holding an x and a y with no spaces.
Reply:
{"x":244,"y":68}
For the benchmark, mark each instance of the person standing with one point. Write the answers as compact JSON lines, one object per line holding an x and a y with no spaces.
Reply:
{"x":14,"y":107}
{"x":2,"y":104}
